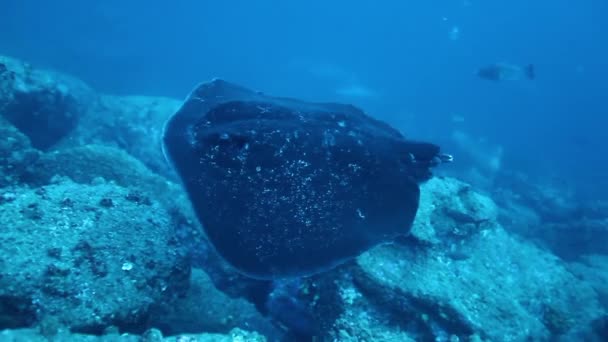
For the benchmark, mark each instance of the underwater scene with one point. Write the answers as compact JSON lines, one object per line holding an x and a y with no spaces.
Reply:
{"x":303,"y":171}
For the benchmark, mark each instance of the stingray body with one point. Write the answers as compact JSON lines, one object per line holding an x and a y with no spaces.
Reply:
{"x":287,"y":188}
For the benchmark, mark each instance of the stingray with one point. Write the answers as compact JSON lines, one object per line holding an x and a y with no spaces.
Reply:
{"x":286,"y":188}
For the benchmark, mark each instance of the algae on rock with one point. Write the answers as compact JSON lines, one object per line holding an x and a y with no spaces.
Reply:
{"x":88,"y":255}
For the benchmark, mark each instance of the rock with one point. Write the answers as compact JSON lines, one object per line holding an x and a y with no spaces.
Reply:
{"x":454,"y":279}
{"x":32,"y":335}
{"x":43,"y":105}
{"x":56,"y":110}
{"x":503,"y":289}
{"x":236,"y":335}
{"x":599,"y":330}
{"x":346,"y":314}
{"x":68,"y":257}
{"x":16,"y":154}
{"x":553,"y":216}
{"x":470,"y":296}
{"x":450,"y":210}
{"x":551,"y":199}
{"x":593,"y":269}
{"x":573,"y":238}
{"x":131,"y":123}
{"x":87,"y":163}
{"x":204,"y":308}
{"x":90,"y":164}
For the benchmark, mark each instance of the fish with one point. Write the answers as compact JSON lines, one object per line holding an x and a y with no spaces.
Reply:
{"x":285,"y":188}
{"x":507,"y":72}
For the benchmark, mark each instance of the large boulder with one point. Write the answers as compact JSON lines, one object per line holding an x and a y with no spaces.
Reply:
{"x":346,"y":313}
{"x":205,"y":308}
{"x":86,"y":163}
{"x":553,"y":216}
{"x":86,"y":256}
{"x":574,"y":238}
{"x":16,"y":154}
{"x":131,"y":123}
{"x":505,"y":289}
{"x":593,"y":269}
{"x":152,"y":335}
{"x":58,"y":111}
{"x":44,"y":105}
{"x":450,"y":210}
{"x":459,"y":276}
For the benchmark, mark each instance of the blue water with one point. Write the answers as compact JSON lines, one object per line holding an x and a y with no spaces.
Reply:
{"x":402,"y":58}
{"x":410,"y":63}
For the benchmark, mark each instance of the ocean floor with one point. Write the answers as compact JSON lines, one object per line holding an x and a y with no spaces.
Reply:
{"x":98,"y":243}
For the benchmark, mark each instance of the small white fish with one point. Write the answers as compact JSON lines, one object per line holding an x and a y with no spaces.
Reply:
{"x":355,"y":90}
{"x":507,"y":72}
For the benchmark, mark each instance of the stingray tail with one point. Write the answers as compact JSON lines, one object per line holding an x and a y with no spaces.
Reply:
{"x":530,"y":72}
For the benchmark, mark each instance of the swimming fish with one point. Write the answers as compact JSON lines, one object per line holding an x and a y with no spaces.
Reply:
{"x":507,"y":72}
{"x":285,"y":188}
